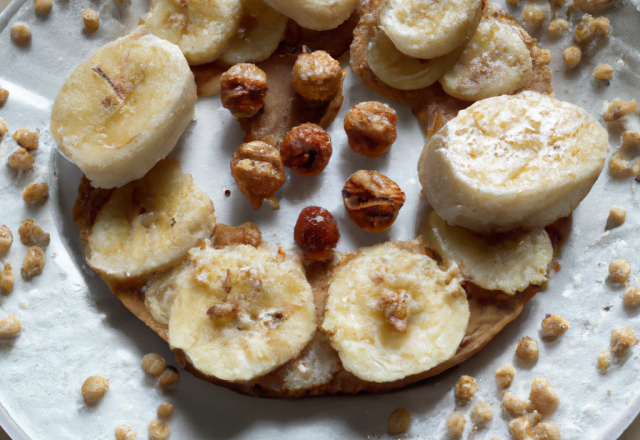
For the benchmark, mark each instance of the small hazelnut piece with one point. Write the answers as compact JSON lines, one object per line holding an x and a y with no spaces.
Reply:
{"x":521,"y":429}
{"x":242,"y":89}
{"x":554,"y":326}
{"x":43,"y":7}
{"x":371,"y":128}
{"x":466,"y":388}
{"x":543,"y":398}
{"x":604,"y":359}
{"x":631,"y":296}
{"x":618,"y":109}
{"x":153,"y":364}
{"x":617,"y":217}
{"x":35,"y":193}
{"x":165,"y":411}
{"x":505,"y":375}
{"x":33,"y":262}
{"x":168,"y":377}
{"x":306,"y":149}
{"x":372,"y":200}
{"x":533,"y":15}
{"x":158,"y":430}
{"x":317,"y":76}
{"x":589,"y":29}
{"x":3,"y":125}
{"x":455,"y":425}
{"x":603,"y":71}
{"x":258,"y":171}
{"x":21,"y":160}
{"x":619,"y":271}
{"x":125,"y":432}
{"x":91,"y":20}
{"x":398,"y":422}
{"x":481,"y":414}
{"x":513,"y":405}
{"x":33,"y":235}
{"x":572,"y":56}
{"x":558,"y":27}
{"x":21,"y":34}
{"x":6,"y":239}
{"x":622,"y":339}
{"x":527,"y":349}
{"x":547,"y":431}
{"x":316,"y":232}
{"x":27,"y":139}
{"x":9,"y":327}
{"x":6,"y":280}
{"x":4,"y":95}
{"x":94,"y":388}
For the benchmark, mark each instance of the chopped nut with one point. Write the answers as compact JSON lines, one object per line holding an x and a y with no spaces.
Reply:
{"x":543,"y":398}
{"x":622,"y":339}
{"x":624,"y":163}
{"x":527,"y":349}
{"x":504,"y":375}
{"x":618,"y":109}
{"x":43,"y":7}
{"x":554,"y":326}
{"x":33,"y":262}
{"x":513,"y":2}
{"x":258,"y":171}
{"x":619,"y":271}
{"x":168,"y":377}
{"x":21,"y":34}
{"x":371,"y":128}
{"x":165,"y":411}
{"x":21,"y":160}
{"x":27,"y":139}
{"x":558,"y":27}
{"x":617,"y":217}
{"x":242,"y":89}
{"x":306,"y":149}
{"x":455,"y":425}
{"x":6,"y":239}
{"x":631,"y":296}
{"x":153,"y":364}
{"x":33,"y":235}
{"x":589,"y":29}
{"x":594,"y":6}
{"x":9,"y":327}
{"x":398,"y":422}
{"x":35,"y":193}
{"x":603,"y":71}
{"x":372,"y":200}
{"x":521,"y":429}
{"x":247,"y":233}
{"x":158,"y":430}
{"x":534,"y":417}
{"x":547,"y":431}
{"x":604,"y":359}
{"x":4,"y":95}
{"x":3,"y":125}
{"x":533,"y":15}
{"x":481,"y":414}
{"x":513,"y":405}
{"x":317,"y":76}
{"x":466,"y":388}
{"x":394,"y":304}
{"x":572,"y":56}
{"x":125,"y":432}
{"x":91,"y":20}
{"x":316,"y":232}
{"x":94,"y":388}
{"x":6,"y":280}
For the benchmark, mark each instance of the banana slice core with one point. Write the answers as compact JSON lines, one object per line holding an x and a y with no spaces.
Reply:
{"x":317,"y":15}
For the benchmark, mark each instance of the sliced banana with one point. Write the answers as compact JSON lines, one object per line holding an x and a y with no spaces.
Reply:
{"x":124,"y":109}
{"x":495,"y":62}
{"x":509,"y":262}
{"x":318,"y":15}
{"x":149,"y":225}
{"x":392,"y":312}
{"x":260,"y":31}
{"x":512,"y":161}
{"x":402,"y":71}
{"x":239,"y":312}
{"x":201,"y":28}
{"x":429,"y":29}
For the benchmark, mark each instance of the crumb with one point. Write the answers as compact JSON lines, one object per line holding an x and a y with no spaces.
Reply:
{"x":603,"y":71}
{"x":533,"y":15}
{"x":6,"y":239}
{"x":35,"y":193}
{"x":617,"y":217}
{"x":3,"y":127}
{"x":631,"y":296}
{"x":455,"y":425}
{"x":94,"y":388}
{"x":513,"y":405}
{"x":6,"y":280}
{"x":21,"y":34}
{"x":168,"y":377}
{"x":618,"y":109}
{"x":43,"y":7}
{"x":125,"y":432}
{"x":33,"y":262}
{"x":547,"y":431}
{"x":604,"y":359}
{"x":91,"y":19}
{"x":158,"y":430}
{"x":554,"y":326}
{"x":543,"y":398}
{"x":27,"y":139}
{"x":466,"y":388}
{"x":521,"y":429}
{"x":4,"y":95}
{"x":33,"y":235}
{"x":624,"y":163}
{"x":589,"y":29}
{"x":165,"y":411}
{"x":21,"y":160}
{"x":398,"y":422}
{"x":527,"y":349}
{"x":227,"y":192}
{"x":619,"y":271}
{"x":9,"y":327}
{"x":558,"y":27}
{"x":513,"y":2}
{"x":572,"y":56}
{"x":481,"y":414}
{"x":622,"y":339}
{"x":505,"y":375}
{"x":153,"y":364}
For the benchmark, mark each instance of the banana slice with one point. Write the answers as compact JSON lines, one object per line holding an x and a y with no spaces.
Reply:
{"x":124,"y":109}
{"x":509,"y":262}
{"x":240,"y":312}
{"x":317,"y":15}
{"x":429,"y":29}
{"x":149,"y":225}
{"x":404,"y":72}
{"x":512,"y":161}
{"x":201,"y":28}
{"x":260,"y":31}
{"x":392,"y":312}
{"x":495,"y":62}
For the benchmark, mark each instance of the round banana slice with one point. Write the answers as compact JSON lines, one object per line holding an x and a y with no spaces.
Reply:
{"x":149,"y":225}
{"x":404,"y":72}
{"x":512,"y":161}
{"x":241,"y":311}
{"x":509,"y":262}
{"x":392,"y":312}
{"x":495,"y":62}
{"x":124,"y":109}
{"x":201,"y":28}
{"x":317,"y":15}
{"x":429,"y":29}
{"x":260,"y":31}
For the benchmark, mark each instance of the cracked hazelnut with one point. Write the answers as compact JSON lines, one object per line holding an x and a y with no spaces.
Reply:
{"x":372,"y":200}
{"x":316,"y":232}
{"x":306,"y":149}
{"x":242,"y":90}
{"x":258,"y":171}
{"x":371,"y":128}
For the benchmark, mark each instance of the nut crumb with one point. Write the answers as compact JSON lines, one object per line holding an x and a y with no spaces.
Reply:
{"x":603,"y":71}
{"x":533,"y":15}
{"x":3,"y":126}
{"x":617,"y":217}
{"x":543,"y":397}
{"x":43,"y":7}
{"x":547,"y":431}
{"x":94,"y":388}
{"x":455,"y":425}
{"x":165,"y":411}
{"x":27,"y":139}
{"x":158,"y":430}
{"x":33,"y":235}
{"x":481,"y":414}
{"x":619,"y":271}
{"x":631,"y":296}
{"x":604,"y":359}
{"x":33,"y":262}
{"x":521,"y":429}
{"x":527,"y":349}
{"x":35,"y":193}
{"x":398,"y":422}
{"x":9,"y":327}
{"x":4,"y":95}
{"x":21,"y":34}
{"x":572,"y":56}
{"x":6,"y":280}
{"x":513,"y":405}
{"x":618,"y":109}
{"x":554,"y":326}
{"x":21,"y":160}
{"x":153,"y":364}
{"x":505,"y":375}
{"x":558,"y":27}
{"x":168,"y":377}
{"x":590,"y":29}
{"x":466,"y":388}
{"x":622,"y":339}
{"x":624,"y":163}
{"x":91,"y":20}
{"x":6,"y":239}
{"x":125,"y":432}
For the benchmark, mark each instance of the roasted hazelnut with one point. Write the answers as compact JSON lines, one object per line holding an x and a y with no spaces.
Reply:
{"x":371,"y":128}
{"x":258,"y":171}
{"x":372,"y":200}
{"x":317,"y":76}
{"x":306,"y":149}
{"x":242,"y":89}
{"x":316,"y":232}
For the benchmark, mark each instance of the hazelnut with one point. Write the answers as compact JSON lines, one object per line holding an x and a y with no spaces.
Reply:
{"x":306,"y":149}
{"x":371,"y":128}
{"x":94,"y":388}
{"x":466,"y":388}
{"x":242,"y":89}
{"x":398,"y":422}
{"x":372,"y":200}
{"x":317,"y":76}
{"x":316,"y":232}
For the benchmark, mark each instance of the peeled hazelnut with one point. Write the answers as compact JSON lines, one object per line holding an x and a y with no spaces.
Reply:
{"x":258,"y":171}
{"x":371,"y":128}
{"x":372,"y":200}
{"x":316,"y":232}
{"x":242,"y":89}
{"x":306,"y":149}
{"x":317,"y":76}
